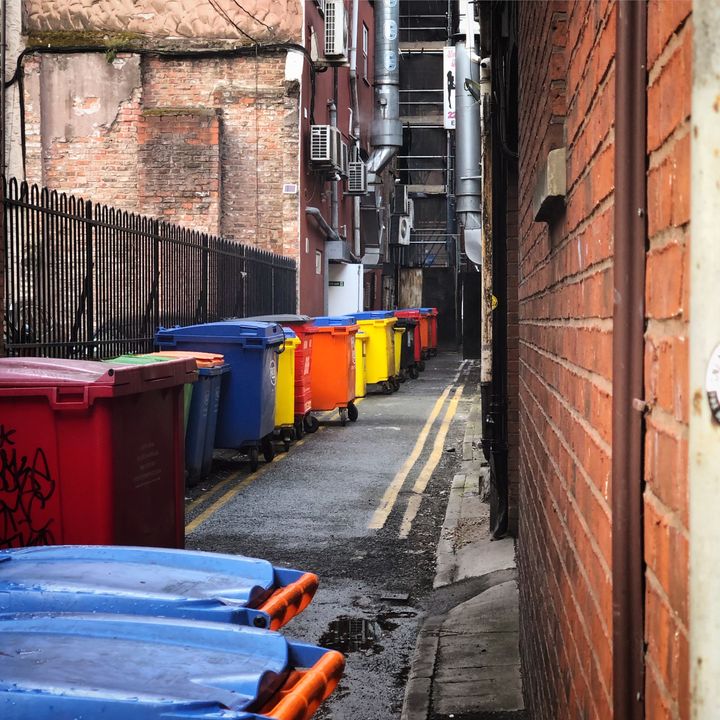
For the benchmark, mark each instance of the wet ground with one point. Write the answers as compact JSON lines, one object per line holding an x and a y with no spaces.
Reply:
{"x":320,"y":508}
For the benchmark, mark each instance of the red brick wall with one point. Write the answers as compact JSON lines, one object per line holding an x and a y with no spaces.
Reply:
{"x":179,"y":168}
{"x":669,"y":55}
{"x":565,"y":314}
{"x":237,"y":160}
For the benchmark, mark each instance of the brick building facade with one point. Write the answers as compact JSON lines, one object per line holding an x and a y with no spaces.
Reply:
{"x":218,"y":142}
{"x":567,"y":67}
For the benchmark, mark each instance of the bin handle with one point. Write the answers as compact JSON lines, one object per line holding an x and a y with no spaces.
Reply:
{"x":289,"y":601}
{"x":305,"y":690}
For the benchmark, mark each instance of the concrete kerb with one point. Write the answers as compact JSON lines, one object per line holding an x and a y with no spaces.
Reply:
{"x":469,"y":566}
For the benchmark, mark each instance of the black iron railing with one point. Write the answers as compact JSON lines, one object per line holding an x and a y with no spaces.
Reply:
{"x":84,"y":280}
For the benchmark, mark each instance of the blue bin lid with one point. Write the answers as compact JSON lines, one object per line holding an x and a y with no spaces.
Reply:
{"x":139,"y":581}
{"x":243,"y":332}
{"x":374,"y":315}
{"x":119,"y":667}
{"x":289,"y":333}
{"x":334,"y":320}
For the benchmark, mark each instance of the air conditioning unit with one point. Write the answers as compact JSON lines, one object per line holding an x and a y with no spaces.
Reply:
{"x":324,"y":146}
{"x":357,"y":178}
{"x":400,"y":230}
{"x":411,"y":213}
{"x":336,"y":34}
{"x":400,"y":200}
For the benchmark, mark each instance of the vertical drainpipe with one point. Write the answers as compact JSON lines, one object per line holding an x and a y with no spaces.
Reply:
{"x":703,"y":474}
{"x":3,"y":55}
{"x":628,"y":350}
{"x":356,"y":115}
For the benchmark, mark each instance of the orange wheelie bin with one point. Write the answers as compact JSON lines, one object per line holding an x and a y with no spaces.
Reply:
{"x":425,"y":322}
{"x":333,"y":366}
{"x":433,"y":331}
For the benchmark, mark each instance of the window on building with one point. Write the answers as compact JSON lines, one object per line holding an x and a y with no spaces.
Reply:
{"x":365,"y":47}
{"x":318,"y":262}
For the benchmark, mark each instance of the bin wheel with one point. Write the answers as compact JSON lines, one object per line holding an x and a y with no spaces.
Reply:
{"x":402,"y":377}
{"x":268,"y":450}
{"x":387,"y":387}
{"x":286,"y":444}
{"x":343,"y":416}
{"x":421,"y":365}
{"x":311,"y":423}
{"x":299,"y":430}
{"x":253,"y":458}
{"x":433,"y":352}
{"x":395,"y":383}
{"x":352,"y":412}
{"x":414,"y":372}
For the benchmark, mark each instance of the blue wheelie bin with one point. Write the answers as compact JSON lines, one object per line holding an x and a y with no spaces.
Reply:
{"x":120,"y":667}
{"x":149,"y":581}
{"x":246,"y":416}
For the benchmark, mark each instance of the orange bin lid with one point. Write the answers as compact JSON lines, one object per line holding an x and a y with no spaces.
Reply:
{"x":203,"y":359}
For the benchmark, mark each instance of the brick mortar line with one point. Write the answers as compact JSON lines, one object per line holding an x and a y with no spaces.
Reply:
{"x":602,"y":324}
{"x":579,"y":419}
{"x":673,"y":43}
{"x":587,"y":66}
{"x":668,"y":424}
{"x":593,"y":544}
{"x":591,"y":593}
{"x":570,"y":280}
{"x":658,"y":156}
{"x":580,"y":228}
{"x":593,"y":489}
{"x":664,"y":238}
{"x":669,"y":703}
{"x":541,"y":569}
{"x":666,"y":328}
{"x":656,"y":585}
{"x":600,"y":88}
{"x":672,"y":515}
{"x":595,"y":379}
{"x":608,"y":141}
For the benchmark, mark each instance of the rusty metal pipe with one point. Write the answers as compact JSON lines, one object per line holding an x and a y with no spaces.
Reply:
{"x":628,"y":349}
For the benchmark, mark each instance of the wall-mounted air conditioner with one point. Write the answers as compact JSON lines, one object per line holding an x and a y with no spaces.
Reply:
{"x":324,"y":146}
{"x":400,"y":200}
{"x":357,"y":178}
{"x":336,"y":34}
{"x":400,"y":230}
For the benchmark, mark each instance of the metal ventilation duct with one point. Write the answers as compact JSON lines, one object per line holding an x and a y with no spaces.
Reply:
{"x":468,"y":186}
{"x":386,"y":134}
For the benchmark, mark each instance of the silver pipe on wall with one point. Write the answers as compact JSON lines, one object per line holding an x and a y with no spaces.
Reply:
{"x":386,"y":135}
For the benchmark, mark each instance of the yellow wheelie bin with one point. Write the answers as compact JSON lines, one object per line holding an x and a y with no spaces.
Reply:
{"x":397,"y":344}
{"x":361,"y":340}
{"x":285,"y":390}
{"x":380,"y":357}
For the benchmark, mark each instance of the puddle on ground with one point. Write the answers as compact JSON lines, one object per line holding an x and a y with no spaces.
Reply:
{"x":349,"y":635}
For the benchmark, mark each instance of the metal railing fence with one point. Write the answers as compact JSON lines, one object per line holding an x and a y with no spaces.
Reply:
{"x":84,"y":280}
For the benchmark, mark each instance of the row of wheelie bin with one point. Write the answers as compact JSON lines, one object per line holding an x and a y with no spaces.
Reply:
{"x":137,"y":632}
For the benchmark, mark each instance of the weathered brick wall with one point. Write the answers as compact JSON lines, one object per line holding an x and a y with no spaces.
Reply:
{"x":206,"y":143}
{"x":565,"y":313}
{"x":249,"y":21}
{"x":566,"y":292}
{"x":669,"y":55}
{"x":513,"y":355}
{"x":179,"y":165}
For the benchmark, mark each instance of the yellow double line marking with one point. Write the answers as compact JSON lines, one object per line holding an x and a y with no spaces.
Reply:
{"x":389,"y":499}
{"x":423,"y":478}
{"x":233,"y":492}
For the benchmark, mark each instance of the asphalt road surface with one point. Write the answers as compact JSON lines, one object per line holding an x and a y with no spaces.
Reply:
{"x":362,"y":507}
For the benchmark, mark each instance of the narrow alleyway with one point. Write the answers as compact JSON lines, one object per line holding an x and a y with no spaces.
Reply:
{"x":362,"y":506}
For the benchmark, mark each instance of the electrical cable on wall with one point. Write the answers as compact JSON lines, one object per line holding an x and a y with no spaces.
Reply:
{"x":245,"y":51}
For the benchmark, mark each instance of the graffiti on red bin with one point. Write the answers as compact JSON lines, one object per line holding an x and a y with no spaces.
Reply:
{"x":26,"y":487}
